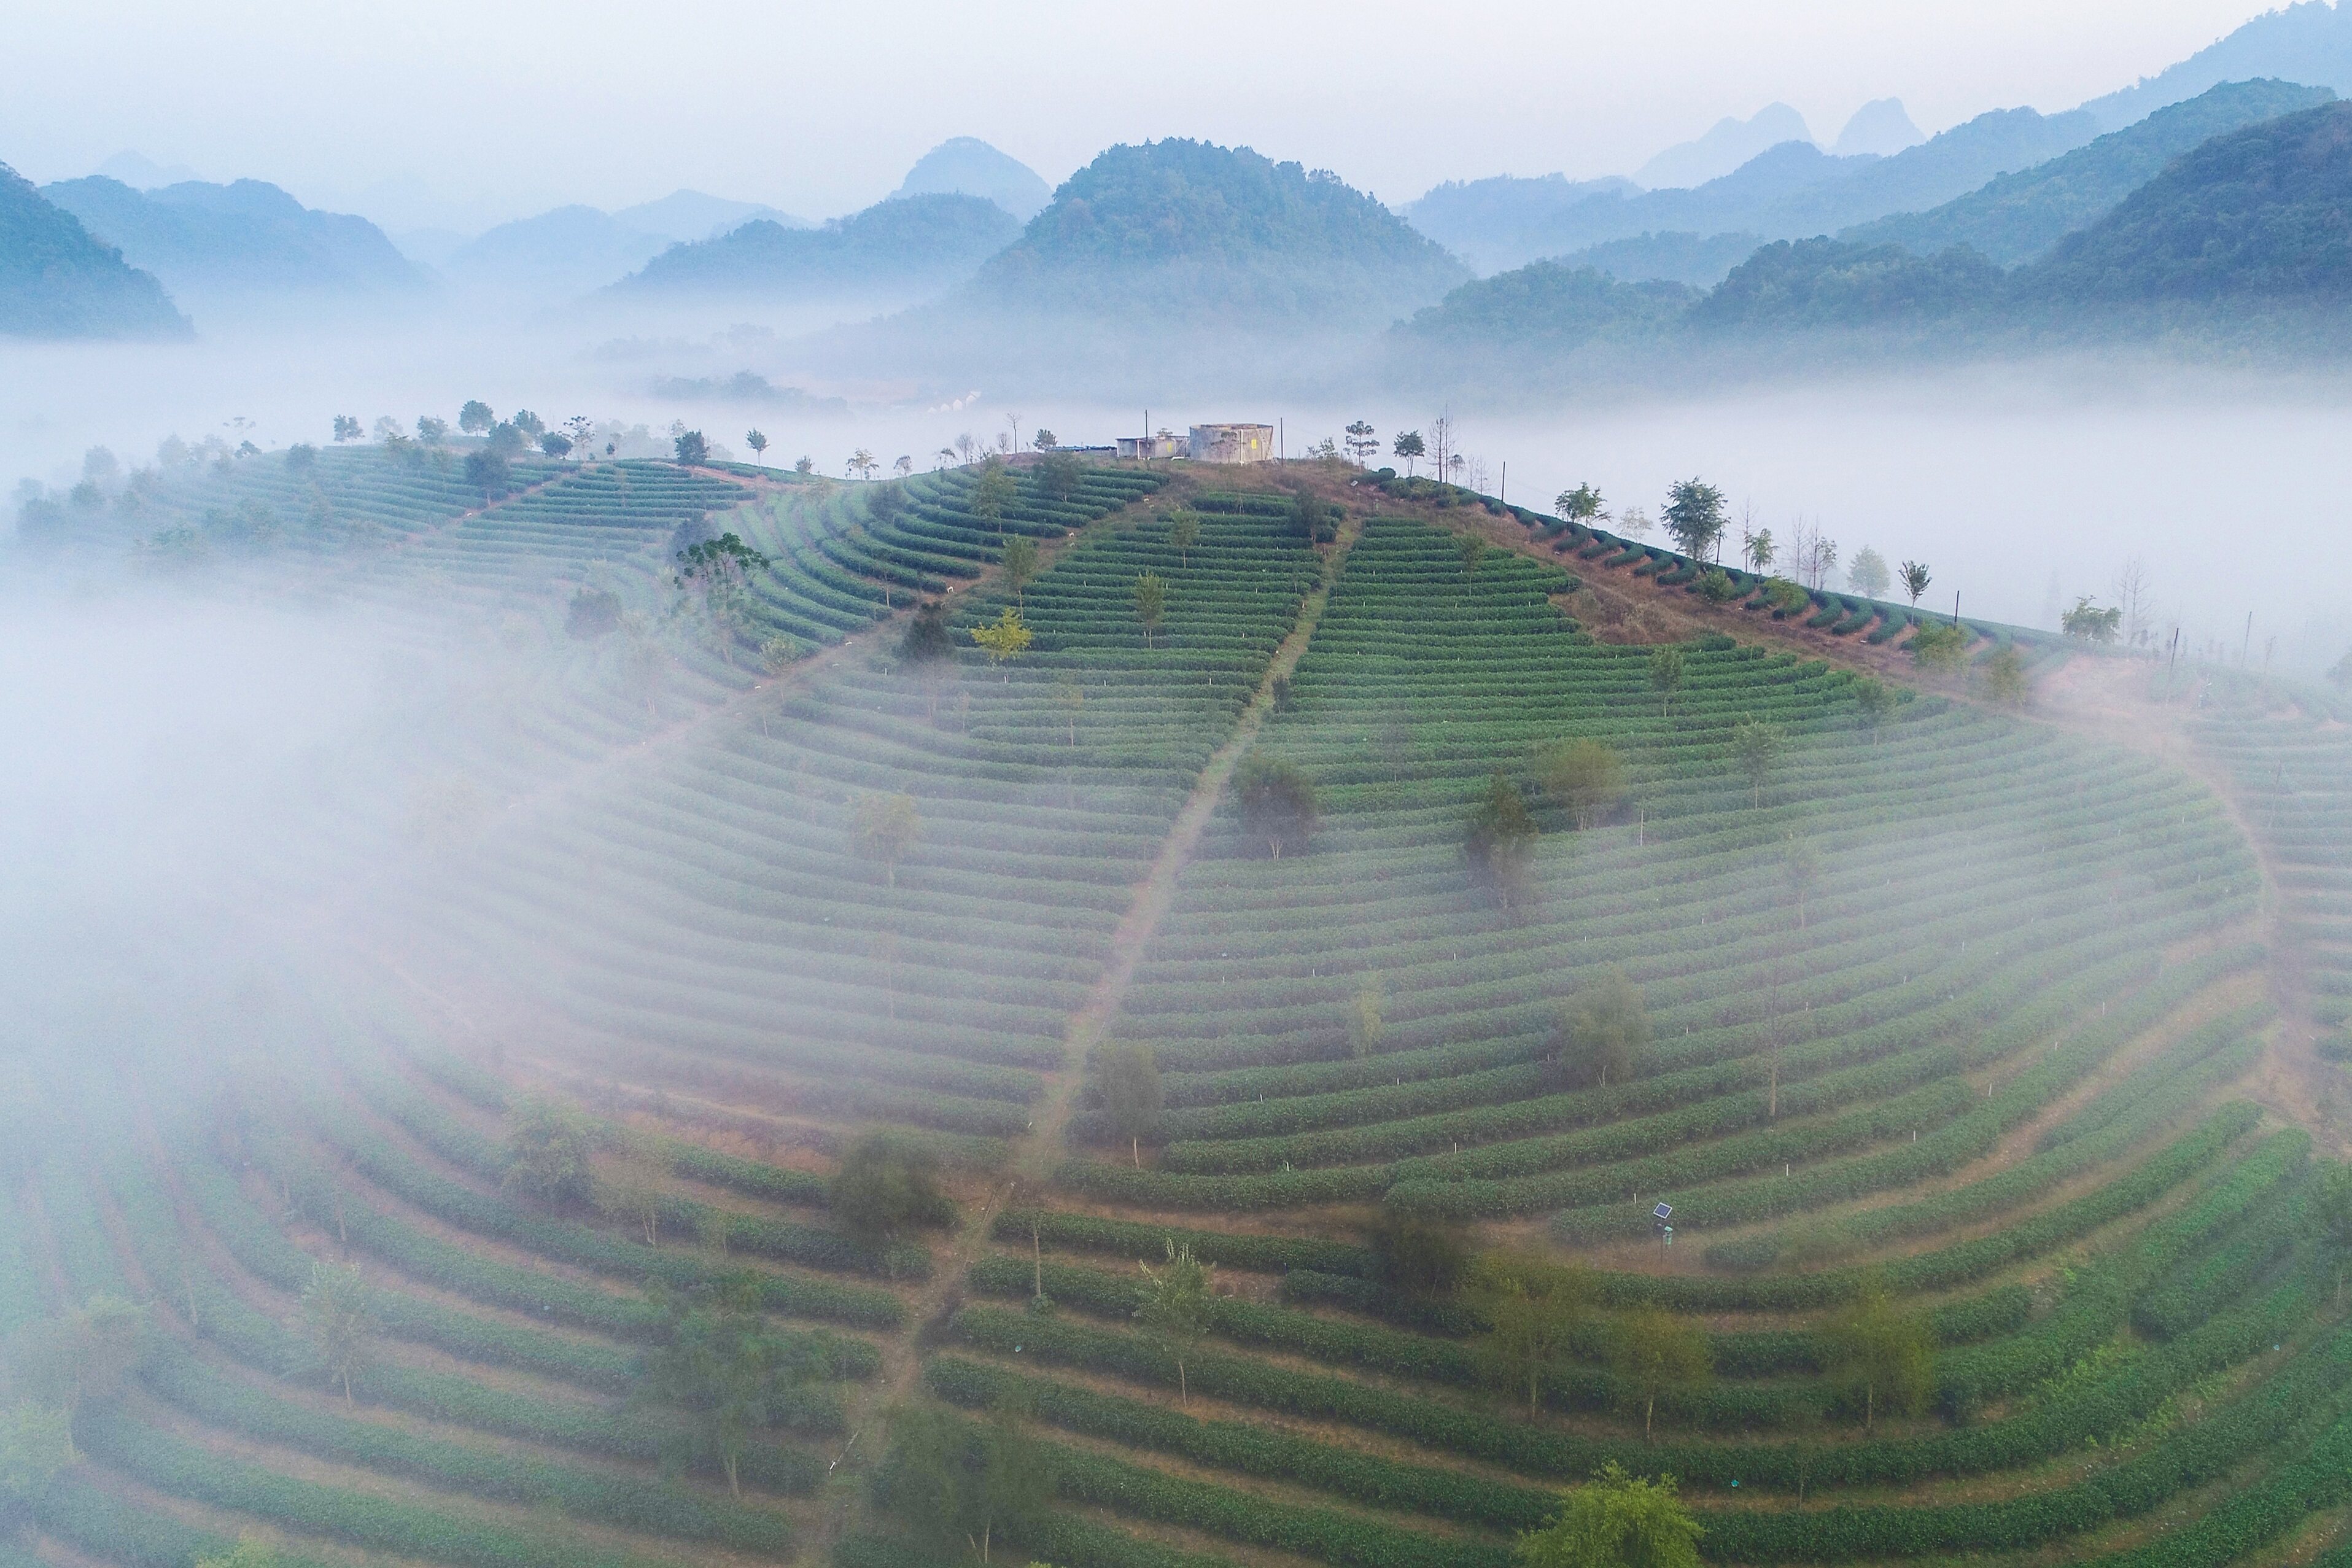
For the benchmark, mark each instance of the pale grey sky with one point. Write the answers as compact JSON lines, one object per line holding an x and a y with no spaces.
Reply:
{"x":502,"y":110}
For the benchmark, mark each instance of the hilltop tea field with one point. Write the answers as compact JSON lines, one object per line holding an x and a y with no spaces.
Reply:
{"x":1150,"y":1015}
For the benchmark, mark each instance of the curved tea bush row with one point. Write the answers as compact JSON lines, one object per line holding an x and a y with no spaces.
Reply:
{"x":2103,"y":1411}
{"x":2154,"y":1096}
{"x":1761,"y":1353}
{"x":2187,"y":1298}
{"x":488,"y":1280}
{"x":2312,"y":1382}
{"x":570,"y":1242}
{"x":1967,"y":1377}
{"x":623,"y":1501}
{"x":2101,"y":1408}
{"x":461,"y":1145}
{"x":736,"y":923}
{"x":179,"y":1468}
{"x":265,"y":1252}
{"x":753,"y":1178}
{"x":194,"y":1293}
{"x":81,"y":1510}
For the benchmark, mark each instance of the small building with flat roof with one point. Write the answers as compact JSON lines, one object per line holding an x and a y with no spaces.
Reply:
{"x":1231,"y":444}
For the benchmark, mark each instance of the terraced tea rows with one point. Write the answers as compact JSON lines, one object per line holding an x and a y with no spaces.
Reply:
{"x":1943,"y":1010}
{"x":1993,"y":958}
{"x":925,"y":982}
{"x":840,"y":558}
{"x":2290,"y":756}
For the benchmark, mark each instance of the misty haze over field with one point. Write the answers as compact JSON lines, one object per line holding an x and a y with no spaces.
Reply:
{"x":889,"y":787}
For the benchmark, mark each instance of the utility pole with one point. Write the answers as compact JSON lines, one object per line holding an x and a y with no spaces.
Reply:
{"x":1504,"y":495}
{"x":2247,"y":646}
{"x":1281,"y":441}
{"x":1955,"y":606}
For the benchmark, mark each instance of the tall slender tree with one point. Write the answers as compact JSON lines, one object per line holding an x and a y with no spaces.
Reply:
{"x":1174,"y":1306}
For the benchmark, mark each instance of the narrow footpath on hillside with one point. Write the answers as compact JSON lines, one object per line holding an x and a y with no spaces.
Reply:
{"x":1041,"y":1149}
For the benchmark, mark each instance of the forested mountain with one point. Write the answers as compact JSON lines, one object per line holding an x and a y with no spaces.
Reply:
{"x":1548,"y":306}
{"x":246,"y":238}
{"x":56,"y":281}
{"x":1179,"y":229}
{"x":2019,"y":216}
{"x":1813,"y":283}
{"x":967,"y":166}
{"x":2261,"y":215}
{"x":1676,"y":256}
{"x":2310,"y":41}
{"x":924,"y":242}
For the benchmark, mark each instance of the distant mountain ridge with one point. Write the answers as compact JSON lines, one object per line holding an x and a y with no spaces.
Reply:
{"x":1943,"y":167}
{"x":567,"y":251}
{"x":967,"y":166}
{"x":1502,"y":221}
{"x":1880,"y":128}
{"x":1726,"y":144}
{"x":245,"y":238}
{"x":2248,"y":229}
{"x":695,"y":215}
{"x":904,"y":243}
{"x":1788,"y":191}
{"x":57,"y":282}
{"x":2306,"y":42}
{"x":2019,"y":216}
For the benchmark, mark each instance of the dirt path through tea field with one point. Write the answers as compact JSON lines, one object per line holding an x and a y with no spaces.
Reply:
{"x":1037,"y":1152}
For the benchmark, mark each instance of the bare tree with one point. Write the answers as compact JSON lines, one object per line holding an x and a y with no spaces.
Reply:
{"x":1814,"y":555}
{"x":2131,"y":597}
{"x":1442,"y":439}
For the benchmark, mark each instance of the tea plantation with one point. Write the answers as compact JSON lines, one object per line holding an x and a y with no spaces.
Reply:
{"x":1252,"y":1037}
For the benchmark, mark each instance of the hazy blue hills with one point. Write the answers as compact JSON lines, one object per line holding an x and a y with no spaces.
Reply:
{"x":1503,"y":220}
{"x":1946,"y":165}
{"x":1187,"y":231}
{"x":1727,"y":144}
{"x":2244,"y":229}
{"x":2308,"y":42}
{"x":1880,"y":126}
{"x":2256,"y":217}
{"x":1791,"y":191}
{"x":1681,"y":256}
{"x":967,"y":166}
{"x":1512,"y":223}
{"x":696,"y":215}
{"x":245,"y":238}
{"x":57,"y":282}
{"x":918,"y":243}
{"x":2018,"y":217}
{"x":559,"y":253}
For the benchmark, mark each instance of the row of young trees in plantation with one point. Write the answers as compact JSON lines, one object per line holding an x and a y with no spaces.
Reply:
{"x":1698,"y":519}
